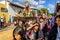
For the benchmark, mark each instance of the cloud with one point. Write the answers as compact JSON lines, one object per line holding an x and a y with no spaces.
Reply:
{"x":51,"y":6}
{"x":40,"y":6}
{"x":9,"y":0}
{"x":31,"y":2}
{"x":34,"y":3}
{"x":1,"y":1}
{"x":58,"y":1}
{"x":22,"y":0}
{"x":32,"y":7}
{"x":42,"y":1}
{"x":51,"y":10}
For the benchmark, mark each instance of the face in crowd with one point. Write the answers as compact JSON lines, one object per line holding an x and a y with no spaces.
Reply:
{"x":36,"y":27}
{"x":58,"y":12}
{"x":41,"y":20}
{"x":58,"y":20}
{"x":20,"y":23}
{"x":27,"y":4}
{"x":17,"y":36}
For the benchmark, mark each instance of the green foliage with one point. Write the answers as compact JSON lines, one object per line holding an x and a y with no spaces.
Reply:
{"x":44,"y":11}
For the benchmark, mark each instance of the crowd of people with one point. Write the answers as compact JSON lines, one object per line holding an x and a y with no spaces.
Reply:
{"x":41,"y":29}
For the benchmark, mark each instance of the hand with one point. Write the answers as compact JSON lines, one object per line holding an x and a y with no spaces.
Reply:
{"x":31,"y":25}
{"x":35,"y":24}
{"x":40,"y":39}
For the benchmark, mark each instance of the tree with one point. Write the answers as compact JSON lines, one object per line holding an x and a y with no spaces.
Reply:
{"x":39,"y":12}
{"x":44,"y":11}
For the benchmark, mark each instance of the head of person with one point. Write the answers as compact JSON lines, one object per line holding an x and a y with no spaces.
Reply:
{"x":57,"y":18}
{"x":41,"y":19}
{"x":20,"y":23}
{"x":27,"y":3}
{"x":36,"y":26}
{"x":44,"y":16}
{"x":30,"y":22}
{"x":18,"y":34}
{"x":58,"y":11}
{"x":26,"y":25}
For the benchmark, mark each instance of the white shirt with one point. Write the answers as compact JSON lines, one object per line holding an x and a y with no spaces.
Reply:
{"x":2,"y":20}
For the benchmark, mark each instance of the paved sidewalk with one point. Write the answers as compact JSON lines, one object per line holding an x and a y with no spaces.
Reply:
{"x":7,"y":33}
{"x":8,"y":27}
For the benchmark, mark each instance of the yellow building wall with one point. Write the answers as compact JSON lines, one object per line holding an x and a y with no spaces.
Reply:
{"x":6,"y":15}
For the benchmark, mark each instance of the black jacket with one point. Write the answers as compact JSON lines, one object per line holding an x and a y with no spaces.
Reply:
{"x":53,"y":33}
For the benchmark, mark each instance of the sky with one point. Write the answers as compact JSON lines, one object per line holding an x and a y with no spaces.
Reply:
{"x":37,"y":4}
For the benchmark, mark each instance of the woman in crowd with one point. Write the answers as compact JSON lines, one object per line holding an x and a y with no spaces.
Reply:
{"x":34,"y":33}
{"x":44,"y":26}
{"x":18,"y":34}
{"x":41,"y":22}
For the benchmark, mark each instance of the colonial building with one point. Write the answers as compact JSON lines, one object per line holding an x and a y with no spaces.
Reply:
{"x":12,"y":8}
